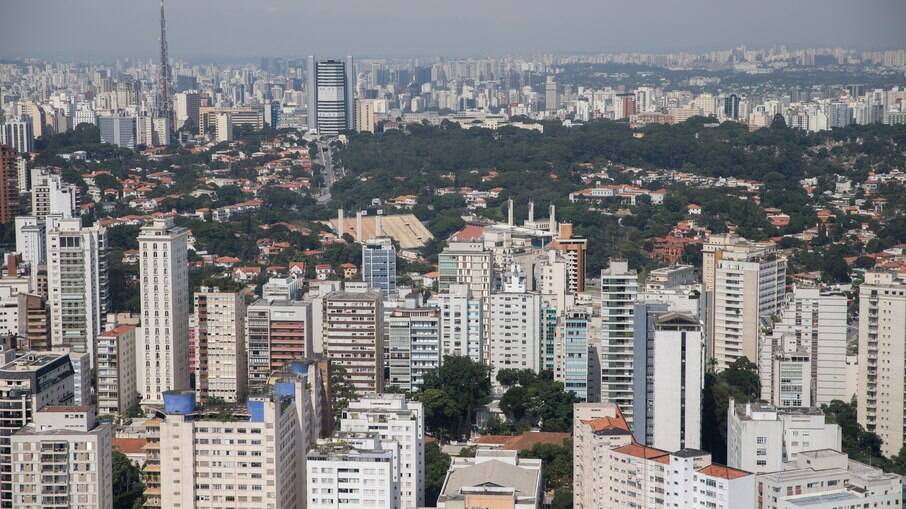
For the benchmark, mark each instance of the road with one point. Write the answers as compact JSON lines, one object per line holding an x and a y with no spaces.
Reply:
{"x":324,"y":157}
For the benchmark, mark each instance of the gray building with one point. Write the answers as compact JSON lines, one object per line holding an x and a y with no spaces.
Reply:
{"x":379,"y":265}
{"x":330,"y":87}
{"x":119,"y":131}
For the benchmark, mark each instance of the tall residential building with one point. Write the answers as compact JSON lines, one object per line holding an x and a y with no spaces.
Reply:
{"x":9,"y":184}
{"x":51,"y":196}
{"x":223,"y":127}
{"x":18,"y":134}
{"x":571,"y":352}
{"x":514,"y":335}
{"x":354,"y":337}
{"x":619,"y":287}
{"x":551,"y":95}
{"x":31,"y":235}
{"x":746,"y":282}
{"x":164,"y":280}
{"x":366,"y":114}
{"x":338,"y":471}
{"x":493,"y":478}
{"x":597,"y":429}
{"x":574,"y":252}
{"x":77,"y":285}
{"x":813,"y":327}
{"x":669,"y":371}
{"x":761,"y":437}
{"x":331,"y":95}
{"x":413,"y":345}
{"x":379,"y":265}
{"x":462,"y":322}
{"x":393,"y":418}
{"x":472,"y":265}
{"x":28,"y":384}
{"x":185,"y":107}
{"x":64,"y":458}
{"x":119,"y":130}
{"x":279,"y":331}
{"x":220,"y":360}
{"x":117,"y":389}
{"x":264,"y":469}
{"x":882,"y":359}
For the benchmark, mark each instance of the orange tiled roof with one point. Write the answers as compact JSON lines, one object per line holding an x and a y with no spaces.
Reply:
{"x":723,"y":471}
{"x":641,"y":451}
{"x":129,"y":445}
{"x":524,"y":441}
{"x":608,"y":423}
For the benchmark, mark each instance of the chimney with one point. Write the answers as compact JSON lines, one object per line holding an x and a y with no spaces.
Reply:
{"x":553,"y":219}
{"x":531,"y":212}
{"x":509,"y":215}
{"x":358,"y":226}
{"x":341,"y":226}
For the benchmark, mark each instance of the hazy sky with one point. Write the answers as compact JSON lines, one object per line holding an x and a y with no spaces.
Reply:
{"x":249,"y":29}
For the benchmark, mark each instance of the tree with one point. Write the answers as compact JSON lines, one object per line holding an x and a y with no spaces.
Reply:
{"x":436,"y":465}
{"x":127,"y":482}
{"x":452,"y":393}
{"x":341,"y":391}
{"x":739,"y":382}
{"x":536,"y":400}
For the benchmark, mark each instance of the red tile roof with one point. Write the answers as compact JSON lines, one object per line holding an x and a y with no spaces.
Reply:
{"x":129,"y":445}
{"x":524,"y":441}
{"x":640,"y":451}
{"x":723,"y":471}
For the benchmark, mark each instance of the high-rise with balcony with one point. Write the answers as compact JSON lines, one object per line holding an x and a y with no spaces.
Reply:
{"x":220,"y":358}
{"x":9,"y":184}
{"x":116,"y":378}
{"x":279,"y":331}
{"x":354,"y":337}
{"x":619,"y":287}
{"x":882,"y":359}
{"x":571,"y":352}
{"x":77,"y":285}
{"x":164,"y":280}
{"x":414,"y":346}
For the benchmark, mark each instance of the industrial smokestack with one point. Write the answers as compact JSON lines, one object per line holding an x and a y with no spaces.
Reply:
{"x":358,"y":226}
{"x":341,"y":226}
{"x":509,"y":215}
{"x":553,"y":219}
{"x":531,"y":212}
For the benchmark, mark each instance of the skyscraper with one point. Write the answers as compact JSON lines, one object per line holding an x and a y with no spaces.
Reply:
{"x":77,"y":285}
{"x":220,"y":362}
{"x":619,"y":286}
{"x":331,"y":95}
{"x":9,"y":184}
{"x":163,"y":272}
{"x":18,"y":133}
{"x":354,"y":337}
{"x":119,"y":130}
{"x":379,"y":265}
{"x":551,"y":97}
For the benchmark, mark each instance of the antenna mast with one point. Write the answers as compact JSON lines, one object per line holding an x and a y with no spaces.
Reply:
{"x":164,"y":84}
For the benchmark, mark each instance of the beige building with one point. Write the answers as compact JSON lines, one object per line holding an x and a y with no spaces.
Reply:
{"x":116,"y":380}
{"x":249,"y":460}
{"x":598,"y":428}
{"x":220,"y":358}
{"x":354,"y":337}
{"x":493,"y":479}
{"x":746,"y":282}
{"x":63,"y":459}
{"x":882,"y":359}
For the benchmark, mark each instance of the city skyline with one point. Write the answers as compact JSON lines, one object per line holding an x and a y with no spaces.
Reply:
{"x":467,"y":28}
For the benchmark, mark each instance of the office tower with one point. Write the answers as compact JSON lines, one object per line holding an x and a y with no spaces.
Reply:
{"x":746,"y":282}
{"x":571,"y":352}
{"x":731,"y":107}
{"x":597,"y":429}
{"x":393,"y":418}
{"x":185,"y":106}
{"x":279,"y":331}
{"x":414,"y":346}
{"x":28,"y":384}
{"x":379,"y":265}
{"x":669,"y":371}
{"x":119,"y":130}
{"x":882,"y":358}
{"x":117,"y":389}
{"x":619,"y":287}
{"x":354,"y":337}
{"x":574,"y":252}
{"x":77,"y":285}
{"x":812,"y":326}
{"x":18,"y":134}
{"x":163,"y":273}
{"x":220,"y":358}
{"x":346,"y":464}
{"x":495,"y":478}
{"x":331,"y":96}
{"x":761,"y":437}
{"x":462,"y":323}
{"x":264,"y":437}
{"x":551,"y":96}
{"x":51,"y":196}
{"x":64,"y":458}
{"x":514,"y":335}
{"x":252,"y":118}
{"x":9,"y":184}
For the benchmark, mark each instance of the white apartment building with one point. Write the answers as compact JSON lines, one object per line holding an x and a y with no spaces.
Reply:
{"x":50,"y":196}
{"x":514,"y":336}
{"x":493,"y":478}
{"x":355,"y":470}
{"x":882,"y":359}
{"x":164,"y":280}
{"x":354,"y":337}
{"x":619,"y":287}
{"x":598,"y":428}
{"x":413,"y":341}
{"x":761,"y":438}
{"x":828,"y":479}
{"x":746,"y":282}
{"x":472,"y":265}
{"x":63,"y":459}
{"x":117,"y":388}
{"x":220,"y":357}
{"x":393,"y":418}
{"x":31,"y":236}
{"x":553,"y":280}
{"x":251,"y":460}
{"x":462,"y":323}
{"x":76,"y":285}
